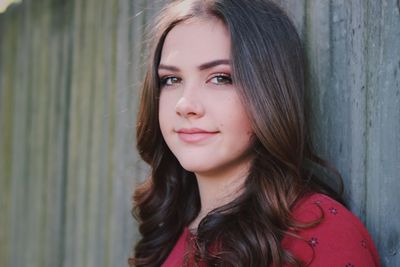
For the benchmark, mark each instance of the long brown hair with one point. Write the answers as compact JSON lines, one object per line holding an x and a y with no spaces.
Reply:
{"x":269,"y":73}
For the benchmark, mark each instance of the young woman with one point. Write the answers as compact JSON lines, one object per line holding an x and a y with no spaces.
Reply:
{"x":221,"y":123}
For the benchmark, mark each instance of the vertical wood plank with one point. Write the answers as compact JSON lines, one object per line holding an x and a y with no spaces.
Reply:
{"x":59,"y":63}
{"x":76,"y":176}
{"x":335,"y":41}
{"x":19,"y":185}
{"x":124,"y":102}
{"x":348,"y":109}
{"x":95,"y":252}
{"x":383,"y":140}
{"x":69,"y":78}
{"x":9,"y":33}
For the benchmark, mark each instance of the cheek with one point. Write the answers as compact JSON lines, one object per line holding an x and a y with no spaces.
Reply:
{"x":166,"y":115}
{"x":163,"y":113}
{"x":239,"y":119}
{"x":236,"y":124}
{"x":242,"y":130}
{"x":243,"y":127}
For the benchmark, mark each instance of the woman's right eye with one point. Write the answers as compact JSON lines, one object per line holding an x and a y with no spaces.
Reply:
{"x":170,"y":80}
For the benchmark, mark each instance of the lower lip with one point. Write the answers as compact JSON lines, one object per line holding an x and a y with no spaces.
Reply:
{"x":195,"y":137}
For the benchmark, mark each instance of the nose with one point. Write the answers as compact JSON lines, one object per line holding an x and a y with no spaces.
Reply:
{"x":189,"y":105}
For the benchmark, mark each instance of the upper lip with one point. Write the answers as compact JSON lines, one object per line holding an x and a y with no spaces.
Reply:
{"x":193,"y":131}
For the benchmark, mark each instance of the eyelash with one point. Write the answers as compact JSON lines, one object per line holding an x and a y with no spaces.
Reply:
{"x":164,"y":80}
{"x":226,"y":79}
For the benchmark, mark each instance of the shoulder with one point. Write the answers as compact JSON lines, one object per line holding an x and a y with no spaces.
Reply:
{"x":339,"y":239}
{"x":176,"y":256}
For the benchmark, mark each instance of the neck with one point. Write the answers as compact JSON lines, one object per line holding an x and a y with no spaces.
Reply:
{"x":217,"y":190}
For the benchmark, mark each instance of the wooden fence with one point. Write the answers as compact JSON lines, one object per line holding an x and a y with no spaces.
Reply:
{"x":69,"y":75}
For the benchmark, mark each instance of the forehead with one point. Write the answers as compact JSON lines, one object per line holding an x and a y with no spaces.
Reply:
{"x":196,"y":41}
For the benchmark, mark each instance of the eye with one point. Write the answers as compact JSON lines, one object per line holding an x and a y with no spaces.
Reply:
{"x":169,"y":80}
{"x":221,"y":79}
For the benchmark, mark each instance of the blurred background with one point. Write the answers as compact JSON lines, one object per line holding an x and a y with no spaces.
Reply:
{"x":70,"y":72}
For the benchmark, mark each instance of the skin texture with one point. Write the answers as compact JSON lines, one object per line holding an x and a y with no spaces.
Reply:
{"x":202,"y":119}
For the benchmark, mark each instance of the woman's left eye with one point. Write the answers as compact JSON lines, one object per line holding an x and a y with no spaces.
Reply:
{"x":221,"y":79}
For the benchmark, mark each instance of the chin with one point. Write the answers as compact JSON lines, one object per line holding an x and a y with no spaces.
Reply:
{"x":193,"y":167}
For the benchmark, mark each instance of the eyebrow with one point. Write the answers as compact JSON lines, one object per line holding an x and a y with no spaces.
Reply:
{"x":203,"y":66}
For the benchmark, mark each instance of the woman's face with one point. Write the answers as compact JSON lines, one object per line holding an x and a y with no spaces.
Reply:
{"x":201,"y":116}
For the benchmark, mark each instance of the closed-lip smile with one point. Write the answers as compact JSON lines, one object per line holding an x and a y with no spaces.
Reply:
{"x":194,"y":135}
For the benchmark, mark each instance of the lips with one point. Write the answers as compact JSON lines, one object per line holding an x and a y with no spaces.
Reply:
{"x":195,"y":135}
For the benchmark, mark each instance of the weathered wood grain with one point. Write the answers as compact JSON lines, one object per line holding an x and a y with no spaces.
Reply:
{"x":9,"y":37}
{"x":69,"y":78}
{"x":383,"y":126}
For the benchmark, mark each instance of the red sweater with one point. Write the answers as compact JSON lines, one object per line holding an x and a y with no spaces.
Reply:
{"x":339,"y":240}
